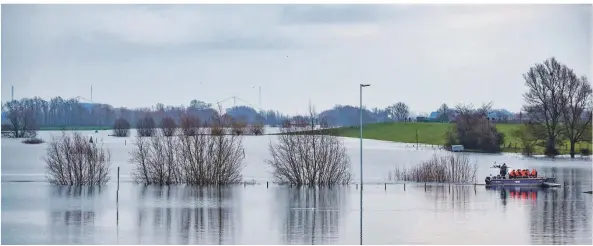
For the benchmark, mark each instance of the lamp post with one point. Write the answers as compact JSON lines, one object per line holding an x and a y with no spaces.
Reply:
{"x":361,"y":179}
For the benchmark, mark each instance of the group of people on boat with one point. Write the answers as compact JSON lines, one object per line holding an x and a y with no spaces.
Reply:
{"x":519,"y":173}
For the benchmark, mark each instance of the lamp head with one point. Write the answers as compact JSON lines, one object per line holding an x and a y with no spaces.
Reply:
{"x":364,"y":85}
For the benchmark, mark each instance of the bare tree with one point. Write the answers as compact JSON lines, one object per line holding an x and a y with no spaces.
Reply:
{"x":168,"y":126}
{"x":190,"y":125}
{"x":544,"y":103}
{"x":576,"y":115}
{"x":257,"y":129}
{"x":474,"y":131}
{"x":444,"y":113}
{"x":308,"y":159}
{"x":398,"y":112}
{"x":238,"y":125}
{"x":121,"y":128}
{"x":22,"y":119}
{"x":145,"y":126}
{"x":73,"y":160}
{"x":455,"y":168}
{"x":199,"y":158}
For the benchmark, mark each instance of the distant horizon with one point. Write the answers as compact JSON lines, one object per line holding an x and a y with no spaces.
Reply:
{"x":420,"y":54}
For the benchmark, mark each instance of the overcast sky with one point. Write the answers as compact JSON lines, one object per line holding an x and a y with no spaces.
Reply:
{"x":423,"y":55}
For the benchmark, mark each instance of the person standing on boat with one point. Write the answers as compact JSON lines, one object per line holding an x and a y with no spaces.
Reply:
{"x":512,"y":174}
{"x":503,"y":170}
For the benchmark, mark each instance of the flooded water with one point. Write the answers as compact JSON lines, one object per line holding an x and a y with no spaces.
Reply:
{"x":34,"y":212}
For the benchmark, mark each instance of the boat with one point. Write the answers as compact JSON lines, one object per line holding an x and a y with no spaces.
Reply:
{"x":502,"y":179}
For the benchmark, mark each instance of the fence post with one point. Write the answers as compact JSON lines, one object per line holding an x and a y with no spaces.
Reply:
{"x":385,"y":186}
{"x":404,"y":186}
{"x":267,"y":185}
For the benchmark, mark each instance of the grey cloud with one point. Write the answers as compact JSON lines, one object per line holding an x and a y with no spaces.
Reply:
{"x":332,"y":14}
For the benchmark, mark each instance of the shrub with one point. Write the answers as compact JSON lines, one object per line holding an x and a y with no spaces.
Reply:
{"x":454,"y":168}
{"x":585,"y":152}
{"x":72,"y":160}
{"x":145,"y":126}
{"x":33,"y":140}
{"x":121,"y":128}
{"x":168,"y":126}
{"x":257,"y":129}
{"x":308,"y":159}
{"x":198,"y":159}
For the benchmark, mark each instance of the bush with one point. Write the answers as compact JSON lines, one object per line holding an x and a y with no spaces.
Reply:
{"x":454,"y":168}
{"x":200,"y":159}
{"x":168,"y":126}
{"x":145,"y":126}
{"x":474,"y":131}
{"x":238,"y":127}
{"x":121,"y":128}
{"x":33,"y":140}
{"x":72,"y":160}
{"x":257,"y":129}
{"x":308,"y":159}
{"x":190,"y":125}
{"x":585,"y":152}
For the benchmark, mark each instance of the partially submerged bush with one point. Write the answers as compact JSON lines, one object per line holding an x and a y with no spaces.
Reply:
{"x":257,"y":129}
{"x":454,"y":168}
{"x":145,"y":126}
{"x":308,"y":159}
{"x":190,"y":125}
{"x":33,"y":140}
{"x":238,"y":126}
{"x":121,"y":128}
{"x":72,"y":160}
{"x":168,"y":126}
{"x":585,"y":152}
{"x":199,"y":159}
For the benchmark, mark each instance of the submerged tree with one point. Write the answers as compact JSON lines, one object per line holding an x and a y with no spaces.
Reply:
{"x":301,"y":157}
{"x":22,"y":119}
{"x":121,"y":128}
{"x":194,"y":157}
{"x":73,"y":160}
{"x":544,"y":103}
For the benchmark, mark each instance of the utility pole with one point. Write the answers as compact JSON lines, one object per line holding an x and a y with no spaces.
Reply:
{"x":12,"y":93}
{"x":91,"y":93}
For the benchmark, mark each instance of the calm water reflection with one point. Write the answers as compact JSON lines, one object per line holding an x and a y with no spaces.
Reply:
{"x":38,"y":213}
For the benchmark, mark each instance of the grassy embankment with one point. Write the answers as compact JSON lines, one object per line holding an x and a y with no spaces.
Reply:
{"x":433,"y":133}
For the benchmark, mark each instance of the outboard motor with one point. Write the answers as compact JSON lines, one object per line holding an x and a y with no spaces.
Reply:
{"x":487,"y":180}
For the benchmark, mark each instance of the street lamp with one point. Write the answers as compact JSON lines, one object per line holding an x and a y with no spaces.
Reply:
{"x":361,"y":179}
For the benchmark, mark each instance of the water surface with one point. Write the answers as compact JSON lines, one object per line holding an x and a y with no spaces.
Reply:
{"x":34,"y":212}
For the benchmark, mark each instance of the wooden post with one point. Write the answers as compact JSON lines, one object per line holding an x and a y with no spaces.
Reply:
{"x":117,"y":193}
{"x":404,"y":186}
{"x":267,"y":185}
{"x":416,"y":138}
{"x":357,"y":186}
{"x":385,"y":186}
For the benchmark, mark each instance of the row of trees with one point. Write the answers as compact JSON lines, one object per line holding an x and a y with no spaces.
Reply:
{"x":26,"y":115}
{"x":203,"y":158}
{"x":188,"y":125}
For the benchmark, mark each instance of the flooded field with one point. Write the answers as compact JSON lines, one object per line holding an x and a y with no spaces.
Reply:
{"x":34,"y":212}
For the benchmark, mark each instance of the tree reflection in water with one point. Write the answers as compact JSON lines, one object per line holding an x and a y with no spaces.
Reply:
{"x":562,"y":215}
{"x":312,"y":214}
{"x":73,"y":214}
{"x":188,"y":215}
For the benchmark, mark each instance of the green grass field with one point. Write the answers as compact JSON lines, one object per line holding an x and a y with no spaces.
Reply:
{"x":432,"y":133}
